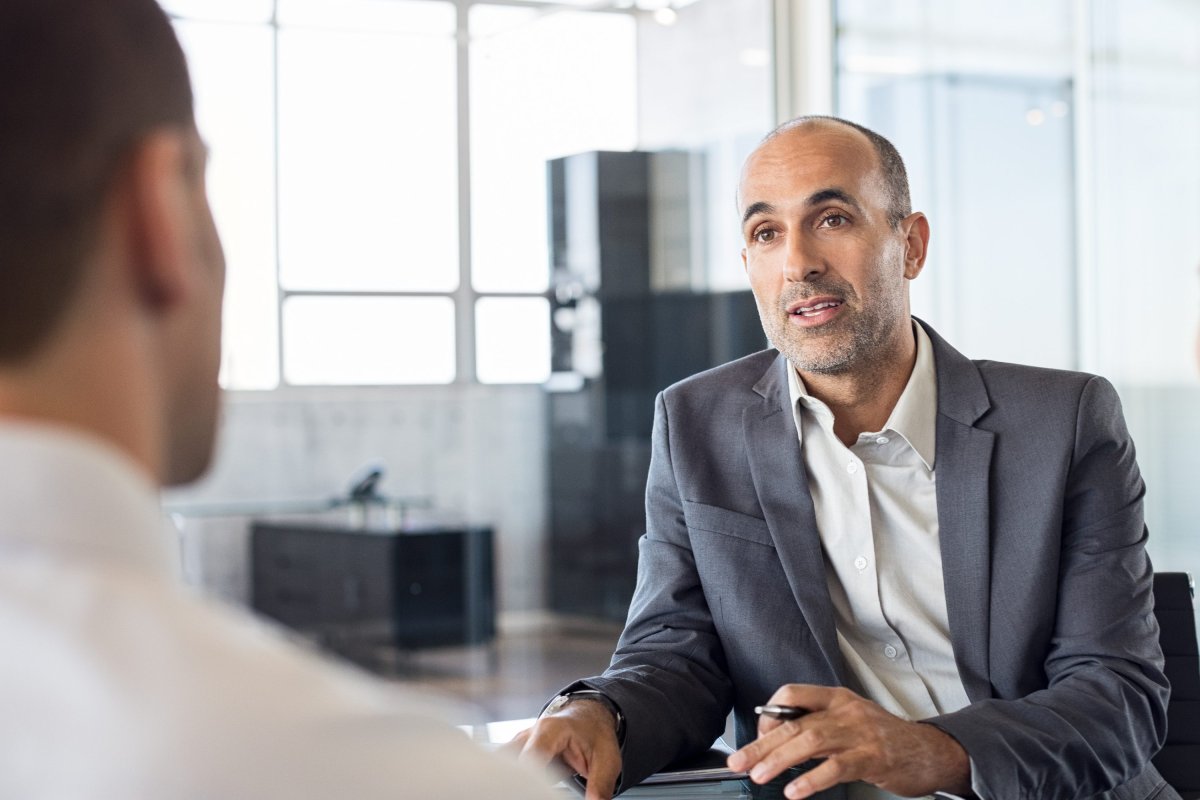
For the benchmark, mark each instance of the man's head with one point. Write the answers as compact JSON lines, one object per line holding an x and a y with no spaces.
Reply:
{"x":830,"y":243}
{"x":104,"y":224}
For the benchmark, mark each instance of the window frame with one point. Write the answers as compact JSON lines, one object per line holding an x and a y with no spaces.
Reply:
{"x":465,"y":297}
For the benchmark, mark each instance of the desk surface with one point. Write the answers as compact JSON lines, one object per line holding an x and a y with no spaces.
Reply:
{"x":497,"y":733}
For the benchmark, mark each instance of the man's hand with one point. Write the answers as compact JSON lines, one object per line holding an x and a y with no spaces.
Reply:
{"x":583,"y":736}
{"x":858,"y":741}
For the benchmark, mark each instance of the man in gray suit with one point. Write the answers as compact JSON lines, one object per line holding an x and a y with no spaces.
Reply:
{"x":942,"y":561}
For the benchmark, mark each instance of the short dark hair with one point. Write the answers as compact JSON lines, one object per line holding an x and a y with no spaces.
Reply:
{"x":890,"y":162}
{"x":80,"y":82}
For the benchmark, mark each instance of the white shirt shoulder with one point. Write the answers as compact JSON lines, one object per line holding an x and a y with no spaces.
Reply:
{"x":118,"y":682}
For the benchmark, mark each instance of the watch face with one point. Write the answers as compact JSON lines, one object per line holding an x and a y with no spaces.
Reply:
{"x":556,"y":704}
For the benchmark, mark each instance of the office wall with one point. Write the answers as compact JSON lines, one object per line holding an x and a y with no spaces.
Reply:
{"x":476,"y":452}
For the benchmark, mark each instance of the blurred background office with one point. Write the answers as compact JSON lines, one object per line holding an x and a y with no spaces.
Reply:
{"x":468,"y":241}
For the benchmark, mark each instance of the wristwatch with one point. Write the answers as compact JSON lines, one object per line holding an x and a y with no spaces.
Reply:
{"x":559,"y":702}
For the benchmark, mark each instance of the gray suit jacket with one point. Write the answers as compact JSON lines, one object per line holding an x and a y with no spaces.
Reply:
{"x":1048,"y":586}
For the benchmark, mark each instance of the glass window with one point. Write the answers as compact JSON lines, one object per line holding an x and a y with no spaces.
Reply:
{"x":705,"y":86}
{"x":368,"y":340}
{"x":983,"y":119}
{"x":512,"y":339}
{"x":1142,"y":286}
{"x":335,"y":139}
{"x":368,"y":198}
{"x":1146,"y":98}
{"x":1064,"y":196}
{"x":231,"y":68}
{"x":543,"y":85}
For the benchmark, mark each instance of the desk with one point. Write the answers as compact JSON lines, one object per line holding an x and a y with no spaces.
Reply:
{"x":499,"y":733}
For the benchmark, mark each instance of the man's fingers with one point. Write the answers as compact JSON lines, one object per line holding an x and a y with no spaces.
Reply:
{"x":772,"y":747}
{"x":541,"y":745}
{"x":517,"y":743}
{"x":794,"y":742}
{"x":603,"y":779}
{"x":825,"y":775}
{"x":590,"y":752}
{"x":808,"y":695}
{"x":858,"y":740}
{"x":745,"y":758}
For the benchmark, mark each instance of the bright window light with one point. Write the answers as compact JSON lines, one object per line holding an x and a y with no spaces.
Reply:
{"x":368,"y":196}
{"x":542,"y":86}
{"x":334,"y":136}
{"x":512,"y":339}
{"x":366,"y":341}
{"x":220,"y":10}
{"x":231,"y":67}
{"x":378,"y":16}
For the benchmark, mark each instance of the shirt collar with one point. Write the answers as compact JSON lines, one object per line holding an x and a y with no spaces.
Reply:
{"x":71,"y":494}
{"x":914,"y":416}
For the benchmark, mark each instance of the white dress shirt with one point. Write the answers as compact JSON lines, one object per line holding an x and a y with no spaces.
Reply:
{"x":876,"y":510}
{"x":117,"y":682}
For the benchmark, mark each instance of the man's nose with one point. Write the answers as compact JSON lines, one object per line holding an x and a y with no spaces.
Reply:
{"x":803,"y":263}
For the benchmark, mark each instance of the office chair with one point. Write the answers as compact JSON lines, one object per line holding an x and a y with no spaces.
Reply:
{"x":1179,"y":760}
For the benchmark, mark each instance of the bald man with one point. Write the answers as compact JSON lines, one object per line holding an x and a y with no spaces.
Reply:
{"x":116,"y":682}
{"x":938,"y":564}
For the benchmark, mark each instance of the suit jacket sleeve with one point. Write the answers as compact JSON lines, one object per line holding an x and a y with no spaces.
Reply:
{"x":1102,"y":714}
{"x":668,"y":674}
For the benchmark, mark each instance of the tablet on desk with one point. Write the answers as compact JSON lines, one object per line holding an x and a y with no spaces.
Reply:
{"x":704,"y":775}
{"x":708,"y":766}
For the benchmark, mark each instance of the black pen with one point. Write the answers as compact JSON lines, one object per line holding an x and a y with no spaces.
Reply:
{"x":781,"y":712}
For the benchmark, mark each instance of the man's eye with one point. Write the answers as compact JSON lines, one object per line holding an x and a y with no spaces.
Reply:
{"x":833,"y":221}
{"x":765,"y":235}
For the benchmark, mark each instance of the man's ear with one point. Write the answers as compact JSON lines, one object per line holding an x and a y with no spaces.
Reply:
{"x":159,"y":217}
{"x":915,"y":228}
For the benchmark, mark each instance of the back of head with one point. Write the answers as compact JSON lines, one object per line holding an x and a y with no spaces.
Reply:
{"x":80,"y":82}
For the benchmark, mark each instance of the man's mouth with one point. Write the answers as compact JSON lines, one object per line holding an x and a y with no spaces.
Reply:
{"x":814,"y":309}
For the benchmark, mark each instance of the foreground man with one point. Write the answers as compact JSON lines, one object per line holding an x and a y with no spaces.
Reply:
{"x":942,"y":561}
{"x":115,"y":682}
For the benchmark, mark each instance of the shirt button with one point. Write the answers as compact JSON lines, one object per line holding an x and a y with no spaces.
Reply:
{"x":881,"y":440}
{"x":860,"y":563}
{"x":890,"y":651}
{"x":852,"y":468}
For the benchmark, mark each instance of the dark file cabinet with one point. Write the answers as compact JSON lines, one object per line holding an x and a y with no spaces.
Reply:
{"x":352,"y":588}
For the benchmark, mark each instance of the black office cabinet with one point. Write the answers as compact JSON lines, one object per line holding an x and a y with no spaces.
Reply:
{"x":351,"y":588}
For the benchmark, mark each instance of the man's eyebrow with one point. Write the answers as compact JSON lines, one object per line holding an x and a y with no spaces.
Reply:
{"x":756,"y":208}
{"x":825,"y":195}
{"x":815,"y":199}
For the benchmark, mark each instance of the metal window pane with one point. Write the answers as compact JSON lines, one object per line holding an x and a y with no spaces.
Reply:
{"x":367,"y":161}
{"x":368,"y":340}
{"x":512,"y":339}
{"x":231,"y":67}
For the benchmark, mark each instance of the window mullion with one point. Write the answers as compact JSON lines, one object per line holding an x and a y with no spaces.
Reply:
{"x":465,"y":296}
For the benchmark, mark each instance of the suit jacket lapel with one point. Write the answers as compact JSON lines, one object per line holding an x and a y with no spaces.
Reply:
{"x":777,"y":469}
{"x":963,"y":464}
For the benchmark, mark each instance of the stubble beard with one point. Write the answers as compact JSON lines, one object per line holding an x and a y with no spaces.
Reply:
{"x":858,"y":340}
